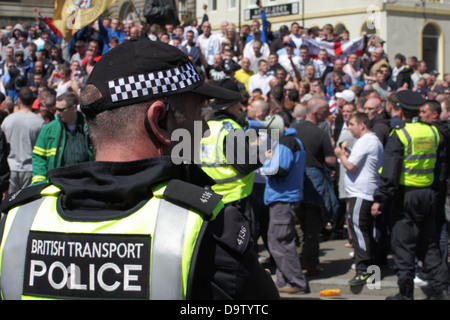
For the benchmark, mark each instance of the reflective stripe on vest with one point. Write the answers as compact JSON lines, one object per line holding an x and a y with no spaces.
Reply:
{"x":174,"y":232}
{"x":421,"y":142}
{"x":14,"y":251}
{"x":230,"y":183}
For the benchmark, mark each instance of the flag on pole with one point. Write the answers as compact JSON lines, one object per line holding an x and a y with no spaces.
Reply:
{"x":70,"y":16}
{"x":335,"y":49}
{"x":332,"y":105}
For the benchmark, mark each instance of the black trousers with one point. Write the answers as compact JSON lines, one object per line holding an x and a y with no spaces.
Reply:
{"x":361,"y":228}
{"x":414,"y":234}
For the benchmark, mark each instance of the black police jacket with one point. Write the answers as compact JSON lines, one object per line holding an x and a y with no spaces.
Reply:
{"x":224,"y":270}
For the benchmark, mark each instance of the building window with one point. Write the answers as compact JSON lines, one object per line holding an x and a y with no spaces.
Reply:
{"x":369,"y":27}
{"x":183,"y":12}
{"x":431,"y":46}
{"x":232,"y":4}
{"x":213,"y":5}
{"x":127,"y":13}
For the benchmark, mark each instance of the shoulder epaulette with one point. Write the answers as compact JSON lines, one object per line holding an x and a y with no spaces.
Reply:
{"x":399,"y":125}
{"x":202,"y":200}
{"x":22,"y":196}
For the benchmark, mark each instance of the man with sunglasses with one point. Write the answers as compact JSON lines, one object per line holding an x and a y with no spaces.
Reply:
{"x":143,"y":215}
{"x":62,"y":142}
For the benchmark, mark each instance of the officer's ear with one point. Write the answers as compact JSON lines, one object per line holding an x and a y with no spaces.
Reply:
{"x":156,"y":119}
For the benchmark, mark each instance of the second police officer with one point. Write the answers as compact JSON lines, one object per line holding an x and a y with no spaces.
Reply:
{"x":407,"y":177}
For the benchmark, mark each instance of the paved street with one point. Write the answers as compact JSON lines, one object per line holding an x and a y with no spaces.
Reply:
{"x":335,"y":260}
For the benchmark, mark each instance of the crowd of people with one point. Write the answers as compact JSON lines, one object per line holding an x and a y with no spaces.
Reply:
{"x":338,"y":114}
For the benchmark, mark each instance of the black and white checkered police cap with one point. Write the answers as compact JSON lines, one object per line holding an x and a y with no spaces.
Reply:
{"x":140,"y":70}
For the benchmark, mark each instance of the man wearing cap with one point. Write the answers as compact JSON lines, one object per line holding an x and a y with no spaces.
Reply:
{"x":140,"y":222}
{"x":278,"y":43}
{"x":432,"y":80}
{"x":345,"y":96}
{"x":289,"y":61}
{"x":233,"y":172}
{"x":409,"y":168}
{"x":342,"y":98}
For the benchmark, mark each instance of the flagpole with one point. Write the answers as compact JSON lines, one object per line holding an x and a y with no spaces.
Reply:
{"x":239,"y":16}
{"x":303,"y":13}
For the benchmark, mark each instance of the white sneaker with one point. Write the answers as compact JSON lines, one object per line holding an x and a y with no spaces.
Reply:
{"x":420,"y":282}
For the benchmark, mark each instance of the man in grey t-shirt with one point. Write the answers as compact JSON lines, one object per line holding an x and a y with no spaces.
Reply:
{"x":21,"y":129}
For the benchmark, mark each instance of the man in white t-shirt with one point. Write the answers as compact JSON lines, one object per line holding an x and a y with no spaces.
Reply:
{"x":361,"y":181}
{"x":248,"y":48}
{"x":209,"y":43}
{"x":321,"y":63}
{"x":260,"y":80}
{"x":297,"y":34}
{"x":289,"y":61}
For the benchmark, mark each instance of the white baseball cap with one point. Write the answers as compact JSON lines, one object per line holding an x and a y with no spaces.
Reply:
{"x":347,"y":95}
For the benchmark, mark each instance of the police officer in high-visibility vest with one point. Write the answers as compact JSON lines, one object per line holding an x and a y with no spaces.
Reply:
{"x":141,"y":221}
{"x":407,"y":178}
{"x":226,"y":154}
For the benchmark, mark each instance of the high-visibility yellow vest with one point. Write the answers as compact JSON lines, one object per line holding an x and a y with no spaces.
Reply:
{"x":146,"y":254}
{"x":421,"y":142}
{"x":230,"y":183}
